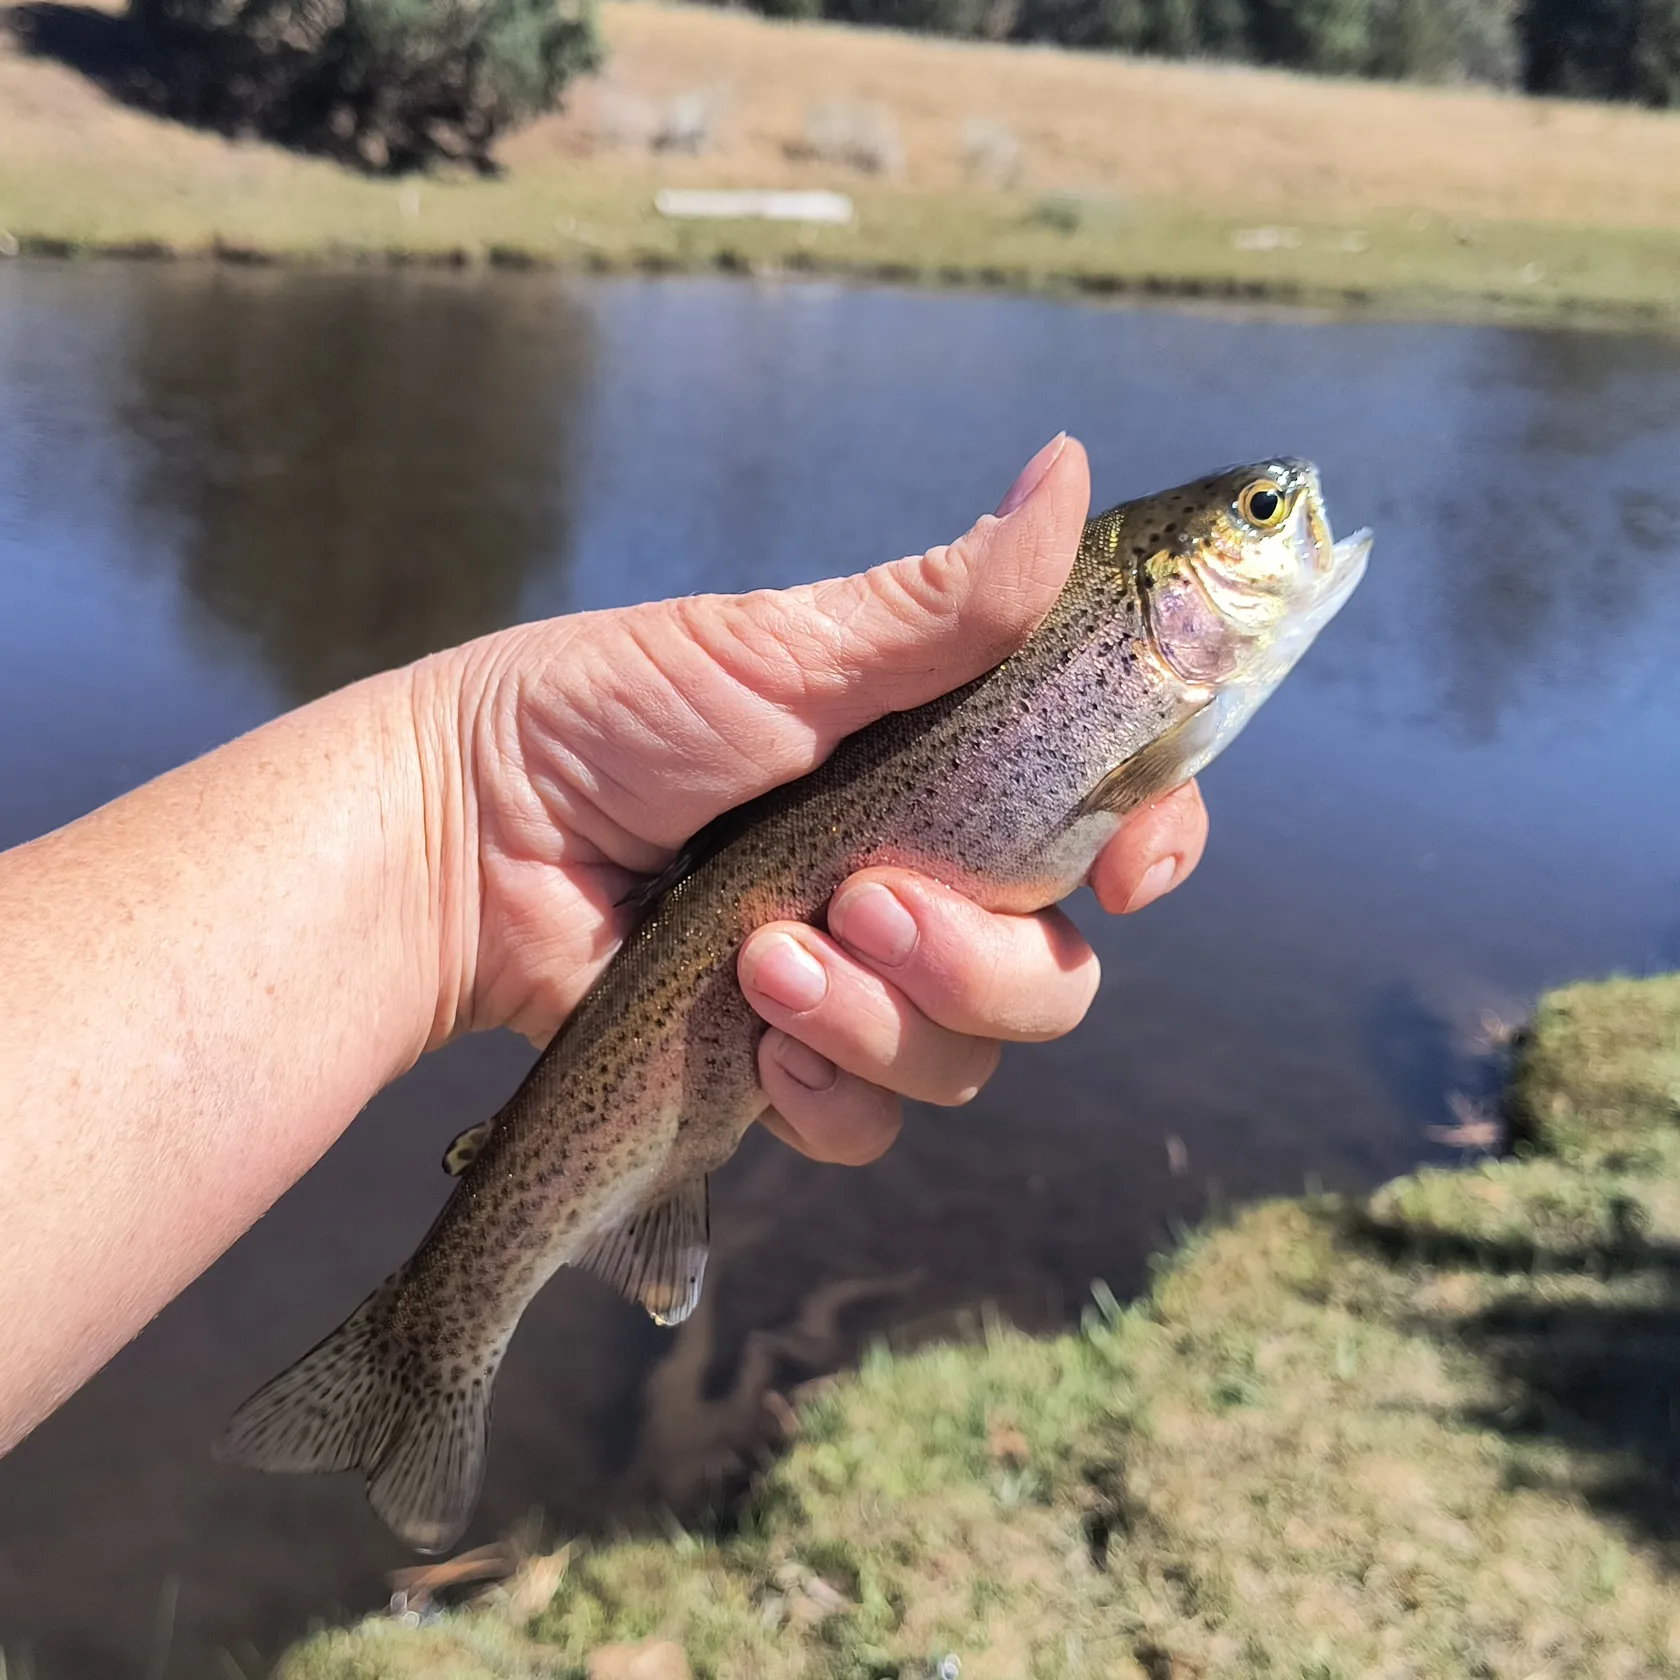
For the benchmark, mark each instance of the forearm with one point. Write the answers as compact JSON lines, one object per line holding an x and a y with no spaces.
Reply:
{"x":200,"y":985}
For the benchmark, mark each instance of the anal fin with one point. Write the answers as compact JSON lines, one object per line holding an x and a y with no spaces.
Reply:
{"x":658,"y":1257}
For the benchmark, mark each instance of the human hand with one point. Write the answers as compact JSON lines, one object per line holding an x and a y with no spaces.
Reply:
{"x":561,"y":760}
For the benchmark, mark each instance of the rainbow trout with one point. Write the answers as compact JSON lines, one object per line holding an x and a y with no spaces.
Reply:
{"x":1182,"y":612}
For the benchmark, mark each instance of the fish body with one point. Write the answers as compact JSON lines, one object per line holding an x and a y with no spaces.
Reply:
{"x":1182,"y":612}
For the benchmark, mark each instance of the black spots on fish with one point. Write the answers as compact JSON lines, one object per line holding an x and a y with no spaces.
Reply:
{"x":323,"y":1412}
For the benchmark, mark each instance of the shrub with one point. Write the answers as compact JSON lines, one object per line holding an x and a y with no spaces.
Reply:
{"x":1604,"y":49}
{"x":1446,"y":41}
{"x":391,"y":83}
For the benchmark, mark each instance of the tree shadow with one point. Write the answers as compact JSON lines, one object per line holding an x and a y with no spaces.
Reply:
{"x":206,"y":78}
{"x":1596,"y":1374}
{"x":1621,"y":1250}
{"x":1601,"y":1379}
{"x":228,"y":82}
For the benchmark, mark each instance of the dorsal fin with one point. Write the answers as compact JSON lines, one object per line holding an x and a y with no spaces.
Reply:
{"x":658,"y":1257}
{"x":464,"y":1150}
{"x":696,"y":850}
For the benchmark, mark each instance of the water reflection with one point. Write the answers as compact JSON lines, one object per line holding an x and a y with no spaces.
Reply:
{"x":352,"y":475}
{"x":1558,"y":524}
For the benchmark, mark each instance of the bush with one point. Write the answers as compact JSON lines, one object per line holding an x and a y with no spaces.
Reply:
{"x":1166,"y":27}
{"x":1604,"y":49}
{"x":1446,"y":41}
{"x":1594,"y":49}
{"x":393,"y":84}
{"x":929,"y":17}
{"x":1330,"y":36}
{"x":1411,"y":40}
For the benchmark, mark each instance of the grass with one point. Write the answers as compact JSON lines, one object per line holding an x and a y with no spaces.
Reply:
{"x":1131,"y":176}
{"x":1424,"y":1434}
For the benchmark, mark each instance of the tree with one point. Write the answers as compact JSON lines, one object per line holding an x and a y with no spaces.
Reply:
{"x":392,"y":84}
{"x":1445,"y":41}
{"x":1604,"y":49}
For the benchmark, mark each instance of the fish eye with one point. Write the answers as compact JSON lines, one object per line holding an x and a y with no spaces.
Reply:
{"x":1261,"y":504}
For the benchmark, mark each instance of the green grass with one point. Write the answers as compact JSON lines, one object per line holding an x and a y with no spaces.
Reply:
{"x":1598,"y":1076}
{"x":1427,"y":1433}
{"x":573,"y":216}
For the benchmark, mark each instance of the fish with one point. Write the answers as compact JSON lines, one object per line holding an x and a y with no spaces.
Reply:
{"x":1182,"y":612}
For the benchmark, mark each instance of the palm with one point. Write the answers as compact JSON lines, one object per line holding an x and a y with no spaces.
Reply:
{"x":604,"y":741}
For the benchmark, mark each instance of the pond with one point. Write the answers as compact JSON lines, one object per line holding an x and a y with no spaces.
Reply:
{"x":224,"y":491}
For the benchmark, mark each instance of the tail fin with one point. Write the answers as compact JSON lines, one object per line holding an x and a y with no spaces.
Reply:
{"x":367,"y":1398}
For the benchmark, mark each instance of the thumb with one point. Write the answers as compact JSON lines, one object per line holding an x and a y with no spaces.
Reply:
{"x":668,"y":713}
{"x":902,"y":634}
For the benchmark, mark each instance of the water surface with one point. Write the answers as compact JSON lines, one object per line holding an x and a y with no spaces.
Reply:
{"x":223,"y":492}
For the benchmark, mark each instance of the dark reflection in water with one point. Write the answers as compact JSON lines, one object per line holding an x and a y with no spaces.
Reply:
{"x":354,"y":475}
{"x":220,"y":493}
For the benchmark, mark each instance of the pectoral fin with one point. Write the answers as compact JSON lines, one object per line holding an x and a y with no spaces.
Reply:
{"x":1153,"y":769}
{"x":464,"y":1150}
{"x":658,"y":1257}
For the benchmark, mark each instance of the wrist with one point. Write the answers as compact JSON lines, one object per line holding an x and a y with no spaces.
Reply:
{"x":439,"y":713}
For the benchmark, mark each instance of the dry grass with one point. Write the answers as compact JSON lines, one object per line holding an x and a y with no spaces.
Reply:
{"x":1129,"y":175}
{"x":1423,"y":1437}
{"x":1250,"y":142}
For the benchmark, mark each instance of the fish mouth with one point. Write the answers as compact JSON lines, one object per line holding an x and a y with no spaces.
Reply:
{"x":1351,"y":553}
{"x":1234,"y":704}
{"x":1347,"y":566}
{"x":1301,"y":628}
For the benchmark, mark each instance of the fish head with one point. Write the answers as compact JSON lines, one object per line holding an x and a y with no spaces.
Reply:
{"x":1236,"y":575}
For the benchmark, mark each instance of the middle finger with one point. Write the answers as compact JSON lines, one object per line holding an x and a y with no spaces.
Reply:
{"x":799,"y":980}
{"x":1022,"y":978}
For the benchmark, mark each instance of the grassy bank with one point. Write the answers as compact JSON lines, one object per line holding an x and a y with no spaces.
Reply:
{"x":1424,"y":1434}
{"x":1090,"y":173}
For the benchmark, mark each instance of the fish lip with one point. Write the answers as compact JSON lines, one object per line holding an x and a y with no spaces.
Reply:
{"x":1351,"y":556}
{"x":1352,"y":553}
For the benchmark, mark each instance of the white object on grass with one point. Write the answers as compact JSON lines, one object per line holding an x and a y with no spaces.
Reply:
{"x":717,"y":204}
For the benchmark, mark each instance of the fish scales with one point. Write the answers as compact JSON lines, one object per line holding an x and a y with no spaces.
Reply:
{"x":1180,"y":614}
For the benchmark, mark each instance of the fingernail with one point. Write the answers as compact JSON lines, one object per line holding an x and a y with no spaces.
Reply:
{"x":785,"y":972}
{"x":1031,"y":475}
{"x":1157,"y":879}
{"x":800,"y":1062}
{"x":874,"y":923}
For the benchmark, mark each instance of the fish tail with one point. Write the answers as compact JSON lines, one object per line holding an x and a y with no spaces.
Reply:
{"x":369,"y":1398}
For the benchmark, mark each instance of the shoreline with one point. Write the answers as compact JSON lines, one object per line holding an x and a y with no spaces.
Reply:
{"x":1287,"y":297}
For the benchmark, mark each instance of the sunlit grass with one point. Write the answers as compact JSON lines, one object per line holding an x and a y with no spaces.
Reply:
{"x":1423,"y":1434}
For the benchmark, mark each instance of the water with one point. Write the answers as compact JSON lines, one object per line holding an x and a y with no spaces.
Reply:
{"x":223,"y":492}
